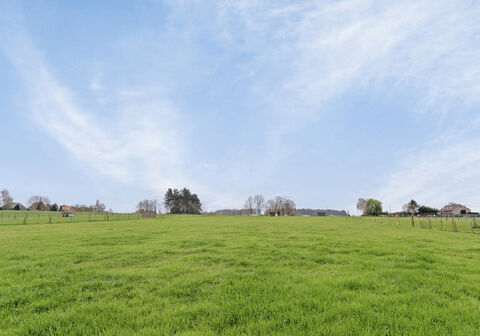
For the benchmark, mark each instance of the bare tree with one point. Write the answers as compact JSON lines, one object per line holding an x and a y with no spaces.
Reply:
{"x":147,"y":206}
{"x":281,"y":206}
{"x":99,"y":207}
{"x":6,"y":201}
{"x":289,"y":207}
{"x":38,"y":202}
{"x":259,"y":203}
{"x":361,"y":204}
{"x":249,"y":206}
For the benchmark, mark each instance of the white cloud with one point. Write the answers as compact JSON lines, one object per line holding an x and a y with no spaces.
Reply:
{"x":141,"y":144}
{"x":299,"y":56}
{"x":312,"y":53}
{"x":443,"y":171}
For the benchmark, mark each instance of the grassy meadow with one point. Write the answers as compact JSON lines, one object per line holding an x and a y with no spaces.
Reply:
{"x":208,"y":275}
{"x":42,"y":217}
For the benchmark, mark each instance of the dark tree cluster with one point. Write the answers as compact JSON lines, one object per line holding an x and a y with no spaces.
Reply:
{"x":182,"y":202}
{"x":413,"y":208}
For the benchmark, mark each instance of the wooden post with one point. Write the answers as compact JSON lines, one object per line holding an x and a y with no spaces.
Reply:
{"x":50,"y":219}
{"x":413,"y":221}
{"x":429,"y":222}
{"x":454,"y":226}
{"x":441,"y":223}
{"x":25,"y":219}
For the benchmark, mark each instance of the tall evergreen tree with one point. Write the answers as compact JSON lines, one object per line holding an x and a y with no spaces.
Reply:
{"x":182,"y":202}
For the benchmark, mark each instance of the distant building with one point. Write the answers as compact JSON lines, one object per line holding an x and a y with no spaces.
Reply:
{"x":455,"y":209}
{"x":67,"y":208}
{"x":321,"y":213}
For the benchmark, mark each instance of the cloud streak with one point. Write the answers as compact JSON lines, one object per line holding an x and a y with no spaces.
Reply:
{"x":140,"y":145}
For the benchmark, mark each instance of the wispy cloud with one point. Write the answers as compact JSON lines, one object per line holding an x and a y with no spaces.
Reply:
{"x":306,"y":55}
{"x":297,"y":59}
{"x":140,"y":144}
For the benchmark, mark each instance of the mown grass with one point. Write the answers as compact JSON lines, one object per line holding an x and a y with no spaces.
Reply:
{"x":200,"y":275}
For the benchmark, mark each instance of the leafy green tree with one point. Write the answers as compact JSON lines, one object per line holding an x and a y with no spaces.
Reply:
{"x":54,"y":207}
{"x":373,"y":207}
{"x":411,"y":207}
{"x":425,"y":210}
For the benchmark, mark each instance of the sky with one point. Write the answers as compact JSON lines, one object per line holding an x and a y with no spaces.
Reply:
{"x":320,"y":101}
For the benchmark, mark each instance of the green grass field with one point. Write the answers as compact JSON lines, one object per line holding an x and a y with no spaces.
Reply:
{"x":42,"y":217}
{"x":200,"y":275}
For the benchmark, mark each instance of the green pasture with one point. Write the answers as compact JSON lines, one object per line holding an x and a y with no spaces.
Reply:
{"x":209,"y":275}
{"x":42,"y":217}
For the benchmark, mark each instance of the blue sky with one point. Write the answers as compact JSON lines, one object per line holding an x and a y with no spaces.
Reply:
{"x":320,"y":101}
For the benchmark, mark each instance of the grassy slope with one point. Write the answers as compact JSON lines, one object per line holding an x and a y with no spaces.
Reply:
{"x":238,"y":275}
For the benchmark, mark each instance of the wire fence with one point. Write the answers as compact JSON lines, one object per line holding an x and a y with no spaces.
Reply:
{"x":46,"y":217}
{"x":466,"y":224}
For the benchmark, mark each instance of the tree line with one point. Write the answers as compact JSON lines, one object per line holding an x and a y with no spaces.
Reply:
{"x":175,"y":201}
{"x":42,"y":203}
{"x":277,"y":206}
{"x":373,"y":207}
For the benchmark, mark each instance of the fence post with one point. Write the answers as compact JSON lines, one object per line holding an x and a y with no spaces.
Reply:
{"x":25,"y":219}
{"x":413,"y":221}
{"x":50,"y":219}
{"x":429,"y":222}
{"x":454,"y":225}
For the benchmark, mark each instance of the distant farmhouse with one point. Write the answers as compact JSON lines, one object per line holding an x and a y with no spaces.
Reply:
{"x":67,"y":208}
{"x":455,"y":209}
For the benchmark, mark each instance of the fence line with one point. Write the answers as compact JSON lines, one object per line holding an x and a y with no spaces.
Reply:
{"x":48,"y":217}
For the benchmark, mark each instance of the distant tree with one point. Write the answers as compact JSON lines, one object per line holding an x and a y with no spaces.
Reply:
{"x":54,"y":207}
{"x":373,"y":207}
{"x":259,"y":204}
{"x":99,"y":207}
{"x":147,"y":206}
{"x":84,"y":208}
{"x":361,"y":204}
{"x":425,"y":210}
{"x":411,"y":207}
{"x":6,"y":201}
{"x":39,"y":206}
{"x":281,"y":206}
{"x":182,"y":202}
{"x":249,"y":206}
{"x":16,"y":207}
{"x":38,"y":203}
{"x":463,"y":212}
